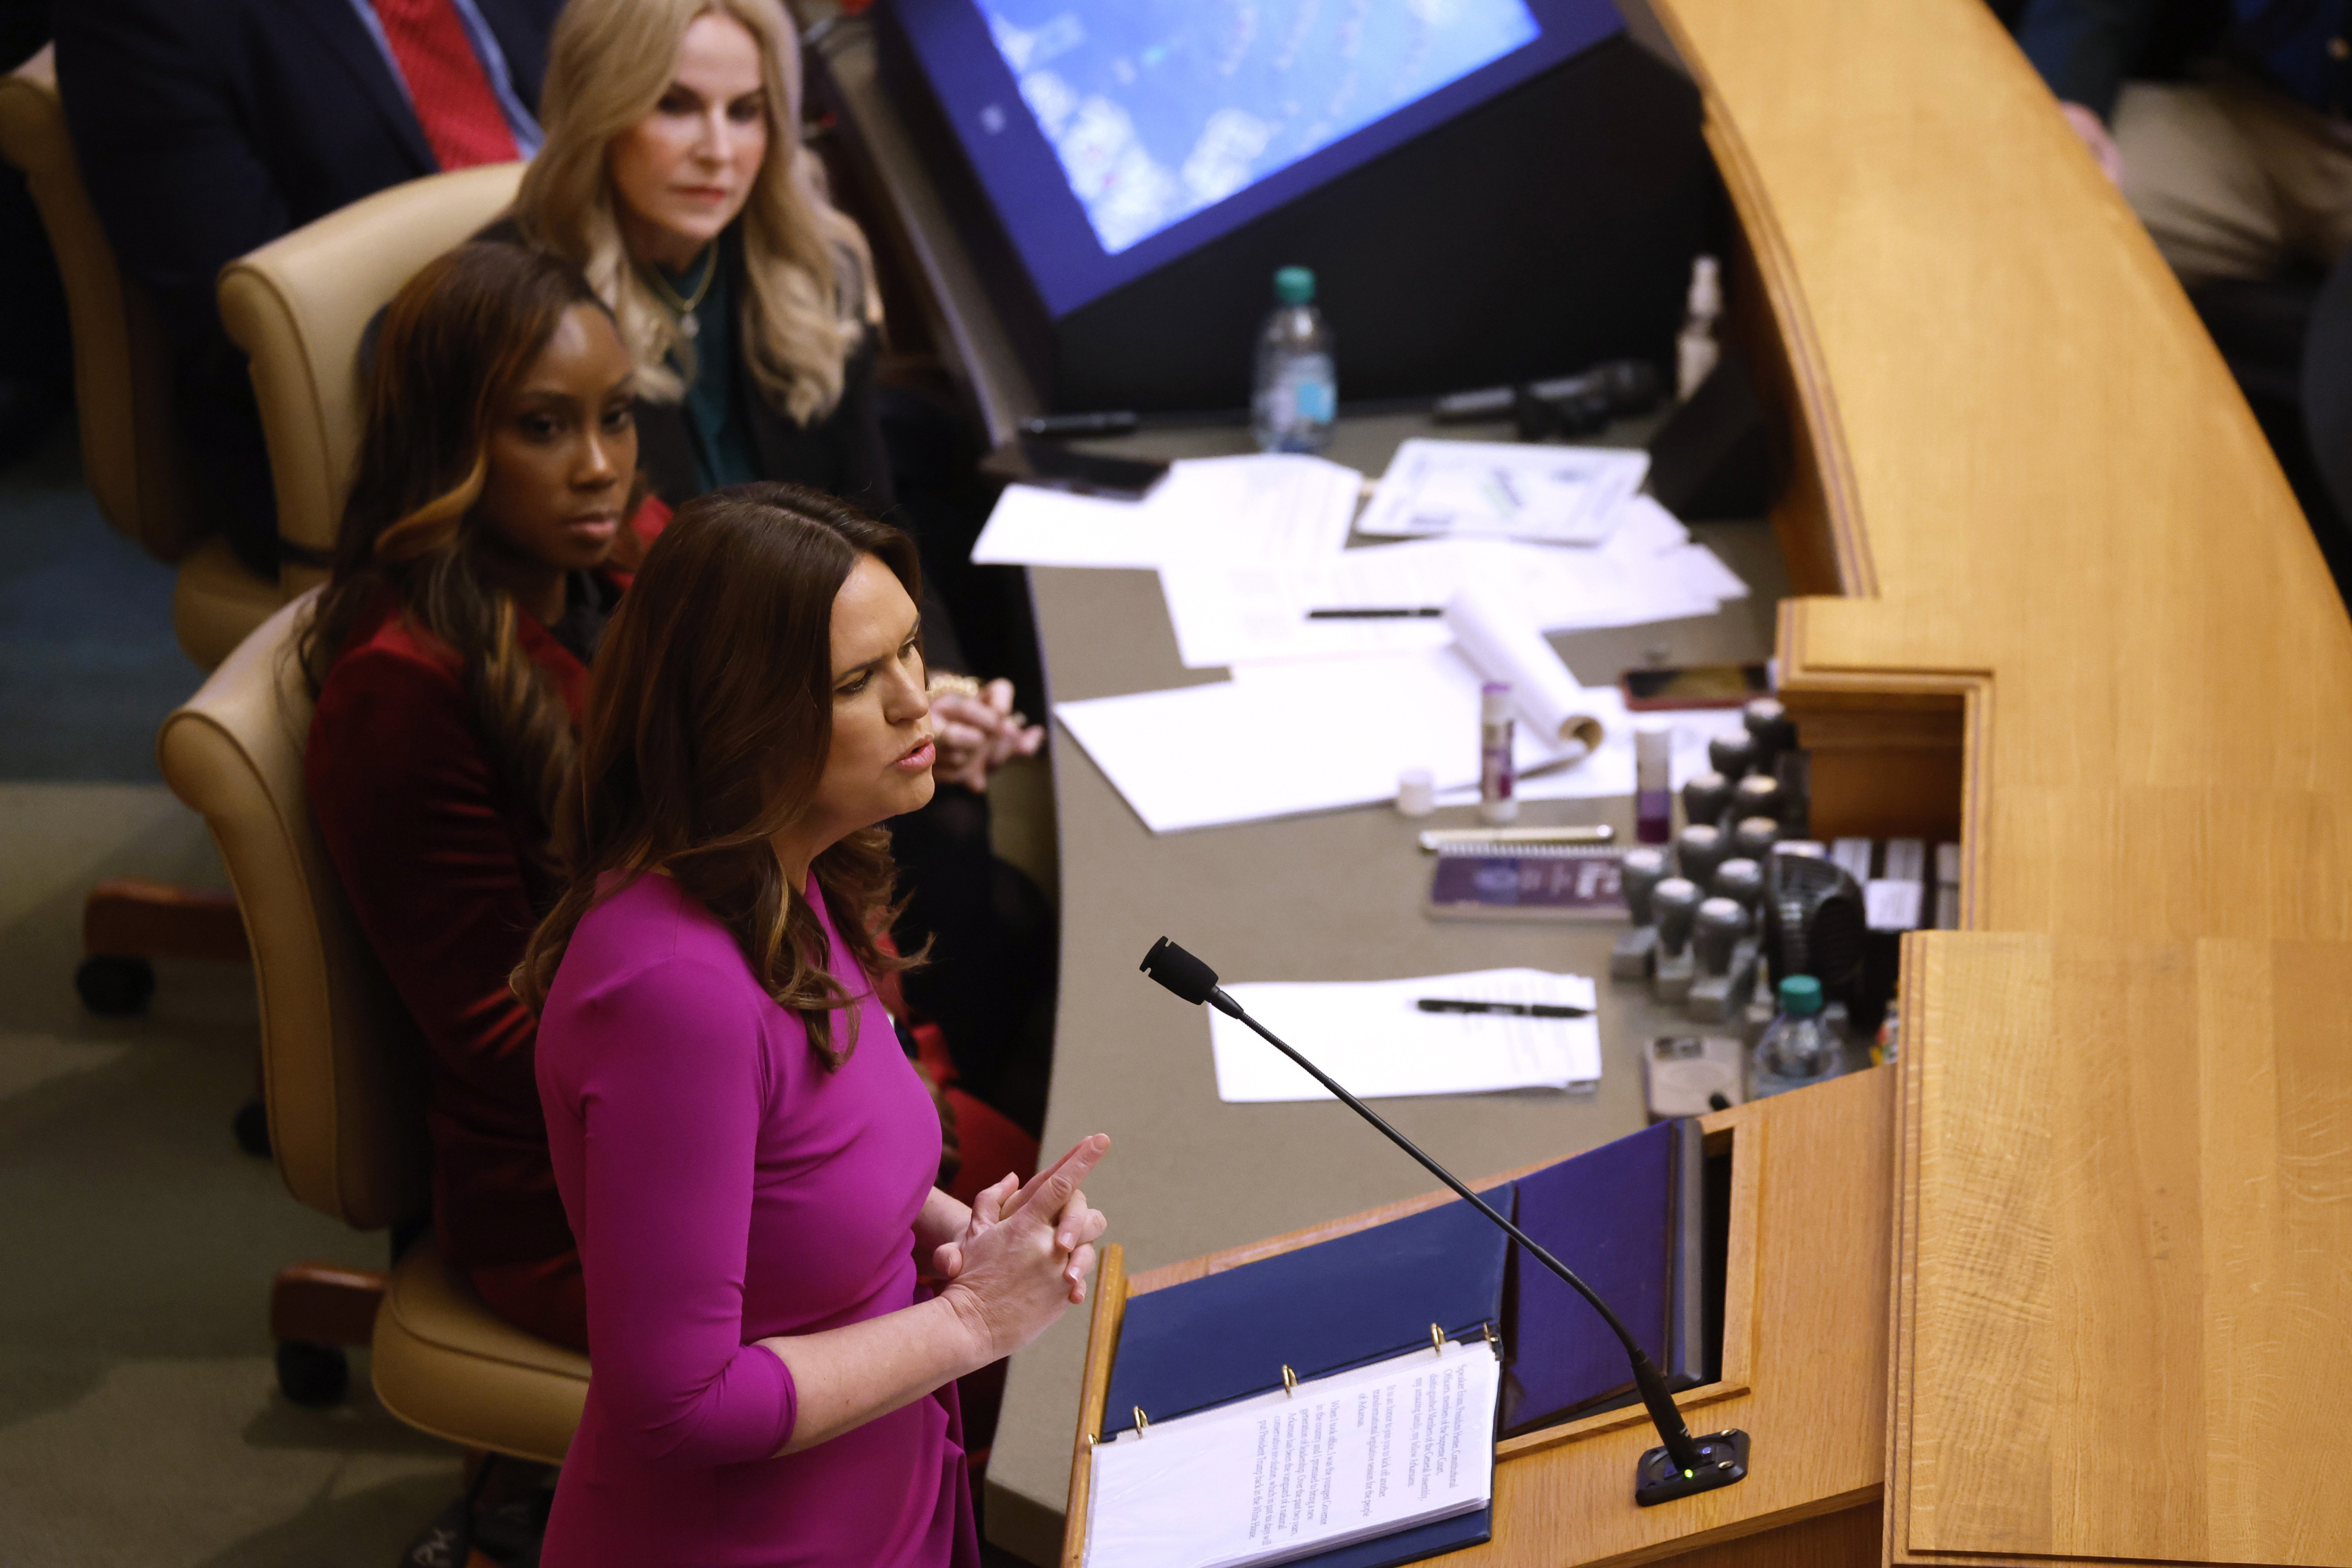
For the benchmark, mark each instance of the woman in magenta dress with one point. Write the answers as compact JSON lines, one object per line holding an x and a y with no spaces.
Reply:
{"x":743,"y":1153}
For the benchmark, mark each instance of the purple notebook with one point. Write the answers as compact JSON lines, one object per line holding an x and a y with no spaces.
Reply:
{"x":1628,"y":1218}
{"x":1534,"y":881}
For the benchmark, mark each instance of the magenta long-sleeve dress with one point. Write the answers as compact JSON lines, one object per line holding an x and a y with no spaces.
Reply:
{"x":726,"y":1185}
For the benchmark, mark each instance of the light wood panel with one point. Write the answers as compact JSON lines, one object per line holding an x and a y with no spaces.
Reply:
{"x":2143,"y":1143}
{"x":1803,"y":1359}
{"x":2121,"y":1305}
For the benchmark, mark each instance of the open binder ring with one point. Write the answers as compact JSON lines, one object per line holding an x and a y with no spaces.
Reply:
{"x":1290,"y":1381}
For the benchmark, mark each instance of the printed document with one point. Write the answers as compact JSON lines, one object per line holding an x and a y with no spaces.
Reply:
{"x":1373,"y":1037}
{"x":1283,"y":1476}
{"x":1560,"y":495}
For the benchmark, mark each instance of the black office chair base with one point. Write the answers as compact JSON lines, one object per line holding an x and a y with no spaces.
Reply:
{"x":1724,"y":1460}
{"x":250,"y":1126}
{"x":313,"y":1376}
{"x":115,"y":984}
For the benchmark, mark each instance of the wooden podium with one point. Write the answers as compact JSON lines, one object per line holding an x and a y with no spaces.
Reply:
{"x":2074,"y":1290}
{"x":1804,"y":1363}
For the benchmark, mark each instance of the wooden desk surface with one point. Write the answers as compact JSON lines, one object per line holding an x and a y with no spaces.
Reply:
{"x":2125,"y":1190}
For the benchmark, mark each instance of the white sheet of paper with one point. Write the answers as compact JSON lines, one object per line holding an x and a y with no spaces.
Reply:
{"x":1281,"y":740}
{"x":1268,"y":508}
{"x":1371,"y":1037}
{"x":1279,"y":1477}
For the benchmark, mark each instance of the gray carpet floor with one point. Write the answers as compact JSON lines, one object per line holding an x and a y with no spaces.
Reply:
{"x":140,"y":1422}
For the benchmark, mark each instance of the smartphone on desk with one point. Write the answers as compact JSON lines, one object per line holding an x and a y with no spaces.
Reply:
{"x":1695,"y":686}
{"x":1056,"y":467}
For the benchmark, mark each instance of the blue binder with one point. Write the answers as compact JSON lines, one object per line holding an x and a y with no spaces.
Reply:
{"x":1627,"y":1216}
{"x":1319,"y":1310}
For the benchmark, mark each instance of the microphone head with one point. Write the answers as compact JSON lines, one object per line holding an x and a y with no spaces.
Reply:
{"x":1179,"y":971}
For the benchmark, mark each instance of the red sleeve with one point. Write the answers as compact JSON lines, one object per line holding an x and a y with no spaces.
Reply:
{"x":652,"y":515}
{"x":406,"y":800}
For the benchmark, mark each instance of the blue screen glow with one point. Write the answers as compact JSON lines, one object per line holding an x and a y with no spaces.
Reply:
{"x":1157,"y":109}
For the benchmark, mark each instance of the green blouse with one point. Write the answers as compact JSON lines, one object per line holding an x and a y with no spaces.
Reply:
{"x":723,"y":454}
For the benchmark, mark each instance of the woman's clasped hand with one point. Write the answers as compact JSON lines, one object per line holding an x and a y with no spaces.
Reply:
{"x":979,"y":734}
{"x":1026,"y":1254}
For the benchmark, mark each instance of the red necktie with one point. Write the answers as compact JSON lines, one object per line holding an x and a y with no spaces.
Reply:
{"x":447,"y":83}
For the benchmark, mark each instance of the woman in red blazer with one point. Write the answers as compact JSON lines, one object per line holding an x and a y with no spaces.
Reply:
{"x":478,"y":561}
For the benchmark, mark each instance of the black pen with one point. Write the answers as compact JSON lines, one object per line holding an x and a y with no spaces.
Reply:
{"x":1508,"y":1009}
{"x":1400,"y":613}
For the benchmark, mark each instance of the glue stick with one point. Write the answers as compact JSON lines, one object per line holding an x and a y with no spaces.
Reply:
{"x":1495,"y":802}
{"x":1654,"y":799}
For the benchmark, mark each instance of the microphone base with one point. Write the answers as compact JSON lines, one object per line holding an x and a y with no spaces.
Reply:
{"x":1724,"y":1460}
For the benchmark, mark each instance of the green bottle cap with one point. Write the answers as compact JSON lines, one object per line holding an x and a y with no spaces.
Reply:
{"x":1295,"y":285}
{"x":1800,"y":996}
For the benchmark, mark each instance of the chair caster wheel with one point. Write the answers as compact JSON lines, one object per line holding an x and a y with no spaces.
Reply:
{"x":115,"y":986}
{"x":251,"y":1127}
{"x":312,"y":1377}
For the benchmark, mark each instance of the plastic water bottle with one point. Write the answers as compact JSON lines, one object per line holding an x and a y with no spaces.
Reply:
{"x":1798,"y":1047}
{"x":1296,"y":397}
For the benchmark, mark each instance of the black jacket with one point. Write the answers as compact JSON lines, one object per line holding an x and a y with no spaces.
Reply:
{"x":209,"y":128}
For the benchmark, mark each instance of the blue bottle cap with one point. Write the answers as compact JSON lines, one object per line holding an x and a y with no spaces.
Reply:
{"x":1295,"y":285}
{"x":1800,"y":996}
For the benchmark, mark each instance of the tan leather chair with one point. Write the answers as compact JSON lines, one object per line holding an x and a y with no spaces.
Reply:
{"x":341,"y":1072}
{"x":298,"y":307}
{"x":136,"y":466}
{"x":131,"y":454}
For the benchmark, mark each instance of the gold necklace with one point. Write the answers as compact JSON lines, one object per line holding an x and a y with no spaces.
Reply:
{"x":684,"y":308}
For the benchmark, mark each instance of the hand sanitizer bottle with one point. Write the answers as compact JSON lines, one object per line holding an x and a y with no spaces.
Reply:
{"x":1296,"y":397}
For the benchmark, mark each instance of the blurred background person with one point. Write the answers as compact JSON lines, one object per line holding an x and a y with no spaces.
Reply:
{"x":206,"y":129}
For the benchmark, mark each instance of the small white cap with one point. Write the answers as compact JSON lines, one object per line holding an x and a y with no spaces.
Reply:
{"x":1653,"y":754}
{"x":1416,"y":793}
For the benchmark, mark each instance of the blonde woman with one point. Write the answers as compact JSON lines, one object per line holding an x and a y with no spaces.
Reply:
{"x":674,"y":177}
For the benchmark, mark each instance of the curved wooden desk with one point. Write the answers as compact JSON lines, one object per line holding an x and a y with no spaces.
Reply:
{"x":2065,"y":604}
{"x":2123,"y":1181}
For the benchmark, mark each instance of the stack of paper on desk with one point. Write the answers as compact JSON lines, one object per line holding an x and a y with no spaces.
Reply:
{"x":1352,"y":1456}
{"x":1236,"y":608}
{"x":1283,"y":740}
{"x":1272,"y":510}
{"x":1371,"y":1037}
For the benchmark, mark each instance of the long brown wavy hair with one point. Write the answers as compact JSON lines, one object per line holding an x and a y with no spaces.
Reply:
{"x":709,"y":718}
{"x":454,"y":342}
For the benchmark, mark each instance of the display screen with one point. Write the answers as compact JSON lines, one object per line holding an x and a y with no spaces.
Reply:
{"x":1156,"y":109}
{"x":1114,"y":135}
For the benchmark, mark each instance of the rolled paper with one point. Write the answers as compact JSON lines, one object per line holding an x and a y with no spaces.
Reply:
{"x":1503,"y":645}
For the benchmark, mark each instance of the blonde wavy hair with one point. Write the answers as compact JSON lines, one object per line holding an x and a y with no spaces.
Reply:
{"x":809,"y":274}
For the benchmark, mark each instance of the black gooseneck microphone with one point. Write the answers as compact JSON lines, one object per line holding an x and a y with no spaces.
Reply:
{"x":1682,"y":1465}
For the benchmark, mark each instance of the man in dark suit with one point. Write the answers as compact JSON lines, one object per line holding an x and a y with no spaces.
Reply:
{"x":209,"y":128}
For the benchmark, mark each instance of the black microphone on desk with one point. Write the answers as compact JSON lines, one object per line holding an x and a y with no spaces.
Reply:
{"x":1682,"y":1465}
